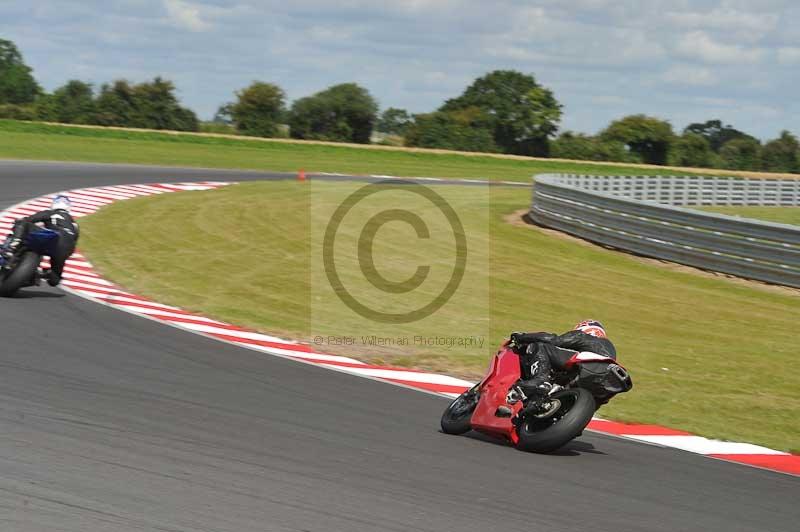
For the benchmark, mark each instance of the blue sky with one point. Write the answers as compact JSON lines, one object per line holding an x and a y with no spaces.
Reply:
{"x":681,"y":60}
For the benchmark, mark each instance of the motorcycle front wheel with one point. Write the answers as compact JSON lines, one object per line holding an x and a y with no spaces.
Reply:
{"x":546,"y":435}
{"x":456,"y":418}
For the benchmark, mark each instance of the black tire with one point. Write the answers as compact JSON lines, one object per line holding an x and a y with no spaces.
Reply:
{"x":456,"y":418}
{"x":21,"y":275}
{"x":545,"y":436}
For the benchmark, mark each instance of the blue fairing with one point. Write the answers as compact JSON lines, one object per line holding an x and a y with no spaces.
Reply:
{"x":42,"y":241}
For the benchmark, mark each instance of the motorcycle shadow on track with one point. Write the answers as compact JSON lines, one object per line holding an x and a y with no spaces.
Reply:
{"x":36,"y":294}
{"x":573,"y":448}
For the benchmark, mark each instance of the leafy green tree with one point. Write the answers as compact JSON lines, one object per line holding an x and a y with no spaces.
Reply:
{"x":158,"y":107}
{"x":691,"y":149}
{"x":570,"y":145}
{"x":17,"y":85}
{"x":781,"y":154}
{"x":342,"y":113}
{"x":463,"y":130}
{"x":44,"y":108}
{"x":73,"y":103}
{"x":312,"y":118}
{"x":17,"y":112}
{"x":258,"y":109}
{"x":151,"y":105}
{"x":393,"y":121}
{"x":645,"y":136}
{"x":522,"y":114}
{"x":741,"y":154}
{"x":715,"y":133}
{"x":116,"y":105}
{"x":582,"y":147}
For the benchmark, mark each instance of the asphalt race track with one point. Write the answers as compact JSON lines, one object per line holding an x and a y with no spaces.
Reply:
{"x":110,"y":422}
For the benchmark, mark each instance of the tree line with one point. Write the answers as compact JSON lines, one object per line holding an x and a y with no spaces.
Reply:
{"x":504,"y":111}
{"x":152,"y":105}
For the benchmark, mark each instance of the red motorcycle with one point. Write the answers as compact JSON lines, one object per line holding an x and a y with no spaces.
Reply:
{"x":496,"y":407}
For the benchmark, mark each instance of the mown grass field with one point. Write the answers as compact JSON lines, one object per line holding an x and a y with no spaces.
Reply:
{"x":23,"y":140}
{"x":783,"y":215}
{"x":707,"y":355}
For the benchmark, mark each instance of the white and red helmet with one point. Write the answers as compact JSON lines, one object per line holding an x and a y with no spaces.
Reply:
{"x":591,"y":327}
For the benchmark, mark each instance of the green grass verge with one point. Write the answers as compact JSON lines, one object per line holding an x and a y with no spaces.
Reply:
{"x":707,"y":355}
{"x":27,"y":140}
{"x":783,"y":215}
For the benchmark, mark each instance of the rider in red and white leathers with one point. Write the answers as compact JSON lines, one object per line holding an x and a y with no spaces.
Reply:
{"x":543,"y":351}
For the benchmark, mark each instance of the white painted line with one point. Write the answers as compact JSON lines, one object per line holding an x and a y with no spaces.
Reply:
{"x":303,"y":355}
{"x":411,"y":376}
{"x":80,"y":277}
{"x":700,"y":445}
{"x":92,"y":287}
{"x":239,"y":334}
{"x":162,"y":313}
{"x":121,"y":300}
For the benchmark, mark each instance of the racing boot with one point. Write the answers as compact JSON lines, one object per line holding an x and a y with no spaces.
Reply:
{"x":50,"y":277}
{"x":43,"y":273}
{"x":514,"y":396}
{"x":11,"y":247}
{"x":532,"y":397}
{"x":535,"y":391}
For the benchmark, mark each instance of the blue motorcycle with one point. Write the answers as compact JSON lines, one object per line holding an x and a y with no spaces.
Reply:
{"x":20,"y":268}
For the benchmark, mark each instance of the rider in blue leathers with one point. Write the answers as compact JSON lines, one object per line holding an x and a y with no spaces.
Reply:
{"x":57,"y":218}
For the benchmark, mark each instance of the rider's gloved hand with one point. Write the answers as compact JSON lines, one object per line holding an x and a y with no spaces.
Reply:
{"x":515,"y":341}
{"x":14,"y":244}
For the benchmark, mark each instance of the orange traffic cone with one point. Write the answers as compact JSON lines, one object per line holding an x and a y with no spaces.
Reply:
{"x":301,"y":175}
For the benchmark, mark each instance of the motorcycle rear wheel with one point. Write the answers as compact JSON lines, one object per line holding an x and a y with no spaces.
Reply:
{"x":456,"y":419}
{"x":567,"y":423}
{"x":21,"y":275}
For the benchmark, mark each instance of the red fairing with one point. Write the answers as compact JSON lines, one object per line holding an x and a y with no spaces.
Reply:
{"x":503,"y":373}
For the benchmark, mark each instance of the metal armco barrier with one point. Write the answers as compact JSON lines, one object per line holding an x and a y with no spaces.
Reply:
{"x":639,"y":214}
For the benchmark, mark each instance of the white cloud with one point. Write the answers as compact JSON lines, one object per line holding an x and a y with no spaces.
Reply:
{"x":537,"y":36}
{"x":700,"y":46}
{"x":630,"y":45}
{"x":608,"y":100}
{"x":749,"y":25}
{"x":789,"y":55}
{"x":422,"y":6}
{"x":694,"y":76}
{"x":716,"y":102}
{"x":603,"y":58}
{"x":185,"y":15}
